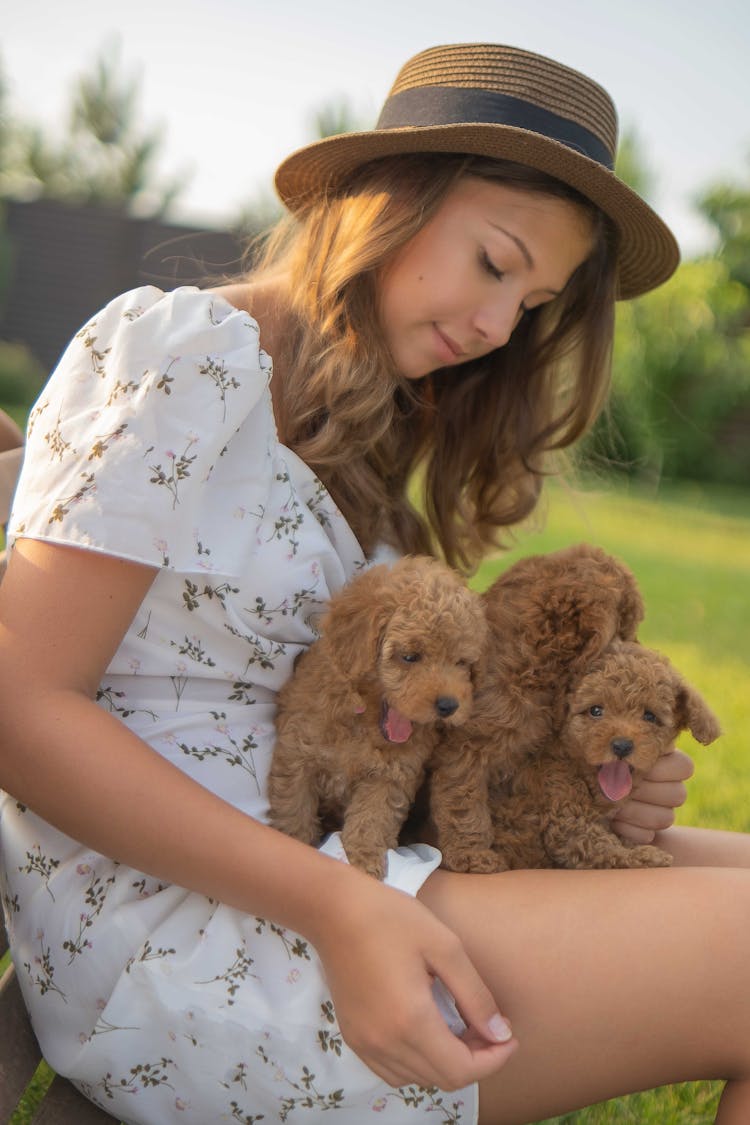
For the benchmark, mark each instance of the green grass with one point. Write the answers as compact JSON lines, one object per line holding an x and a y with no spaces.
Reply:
{"x":35,"y":1092}
{"x":689,"y":548}
{"x":691,"y":1103}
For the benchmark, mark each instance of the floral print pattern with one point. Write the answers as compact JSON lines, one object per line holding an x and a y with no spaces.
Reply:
{"x":155,"y":440}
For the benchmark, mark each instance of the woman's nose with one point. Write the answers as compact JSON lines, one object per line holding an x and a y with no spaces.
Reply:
{"x":495,"y":323}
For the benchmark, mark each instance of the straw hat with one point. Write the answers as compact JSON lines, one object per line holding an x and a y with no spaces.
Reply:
{"x":499,"y":101}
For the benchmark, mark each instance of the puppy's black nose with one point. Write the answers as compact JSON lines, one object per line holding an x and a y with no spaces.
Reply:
{"x":621,"y":747}
{"x":446,"y":705}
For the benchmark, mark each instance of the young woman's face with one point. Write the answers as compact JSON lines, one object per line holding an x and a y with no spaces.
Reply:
{"x":490,"y":252}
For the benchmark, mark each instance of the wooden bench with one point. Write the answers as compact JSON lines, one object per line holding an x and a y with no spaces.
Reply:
{"x":19,"y":1058}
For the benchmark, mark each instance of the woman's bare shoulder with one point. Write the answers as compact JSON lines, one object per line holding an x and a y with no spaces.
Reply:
{"x":236,"y":293}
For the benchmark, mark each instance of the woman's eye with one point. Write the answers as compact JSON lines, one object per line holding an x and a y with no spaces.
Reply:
{"x":411,"y":657}
{"x":490,"y":267}
{"x":596,"y":711}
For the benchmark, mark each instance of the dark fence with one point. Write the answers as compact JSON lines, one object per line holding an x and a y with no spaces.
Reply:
{"x":65,"y":262}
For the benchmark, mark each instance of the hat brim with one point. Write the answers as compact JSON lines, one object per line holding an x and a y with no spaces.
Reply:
{"x":648,"y":252}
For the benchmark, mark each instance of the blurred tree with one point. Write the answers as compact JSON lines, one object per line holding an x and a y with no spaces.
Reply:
{"x":727,"y":206}
{"x":258,"y":215}
{"x":680,"y":405}
{"x":105,"y":157}
{"x":334,"y":117}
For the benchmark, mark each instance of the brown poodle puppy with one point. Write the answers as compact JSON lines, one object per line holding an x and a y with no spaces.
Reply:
{"x":360,"y":717}
{"x":549,"y":616}
{"x":617,"y":719}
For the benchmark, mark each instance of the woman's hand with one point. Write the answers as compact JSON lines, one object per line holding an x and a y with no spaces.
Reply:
{"x":381,"y":951}
{"x":650,"y":807}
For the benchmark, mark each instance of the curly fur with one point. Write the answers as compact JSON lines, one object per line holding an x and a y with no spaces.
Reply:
{"x":548,"y":617}
{"x":358,"y":721}
{"x":618,"y":717}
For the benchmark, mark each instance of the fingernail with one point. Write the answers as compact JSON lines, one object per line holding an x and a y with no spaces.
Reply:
{"x":499,"y":1029}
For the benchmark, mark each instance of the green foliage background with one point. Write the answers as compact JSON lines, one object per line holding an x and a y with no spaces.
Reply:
{"x":680,"y":405}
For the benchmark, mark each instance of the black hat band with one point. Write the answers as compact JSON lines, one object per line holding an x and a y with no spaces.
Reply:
{"x":451,"y":105}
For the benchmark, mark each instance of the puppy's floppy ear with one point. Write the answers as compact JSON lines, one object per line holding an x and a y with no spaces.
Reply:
{"x":616,"y":608}
{"x":357,"y":615}
{"x":694,"y":714}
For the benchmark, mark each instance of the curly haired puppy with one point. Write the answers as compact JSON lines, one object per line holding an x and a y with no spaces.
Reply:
{"x":548,"y":616}
{"x":360,"y":717}
{"x":617,"y":719}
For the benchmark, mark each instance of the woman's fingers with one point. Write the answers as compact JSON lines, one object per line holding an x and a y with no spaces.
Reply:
{"x":640,"y":822}
{"x":477,"y":1006}
{"x":428,"y":1053}
{"x":674,"y":767}
{"x":383,"y":960}
{"x":416,"y":1045}
{"x":447,"y":1059}
{"x":654,"y":799}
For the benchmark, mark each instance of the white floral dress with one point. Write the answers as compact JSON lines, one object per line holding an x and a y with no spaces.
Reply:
{"x":155,"y":440}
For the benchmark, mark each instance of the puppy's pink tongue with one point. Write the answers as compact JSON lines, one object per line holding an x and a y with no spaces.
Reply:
{"x":615,"y":780}
{"x":396,"y":727}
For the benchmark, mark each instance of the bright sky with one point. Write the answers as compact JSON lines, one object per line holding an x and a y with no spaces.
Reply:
{"x":235,"y":83}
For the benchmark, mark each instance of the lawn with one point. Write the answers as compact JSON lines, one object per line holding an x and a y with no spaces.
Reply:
{"x":689,"y":548}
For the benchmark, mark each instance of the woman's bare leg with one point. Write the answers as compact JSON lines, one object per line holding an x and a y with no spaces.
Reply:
{"x":701,"y":847}
{"x":706,"y":847}
{"x":614,"y":981}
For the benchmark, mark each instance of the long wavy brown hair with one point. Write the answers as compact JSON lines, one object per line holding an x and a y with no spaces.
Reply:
{"x":442,"y":464}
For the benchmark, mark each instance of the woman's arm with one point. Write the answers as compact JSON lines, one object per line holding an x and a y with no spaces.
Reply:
{"x":11,"y":436}
{"x":63,"y":612}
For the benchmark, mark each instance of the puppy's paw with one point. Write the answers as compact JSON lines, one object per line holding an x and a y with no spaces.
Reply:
{"x":622,"y":856}
{"x":647,"y":855}
{"x":373,"y":864}
{"x":477,"y":861}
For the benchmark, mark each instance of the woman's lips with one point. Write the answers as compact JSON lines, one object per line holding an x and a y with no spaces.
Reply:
{"x":451,"y":349}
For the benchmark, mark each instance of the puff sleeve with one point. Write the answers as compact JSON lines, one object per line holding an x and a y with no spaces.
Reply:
{"x":154,"y":435}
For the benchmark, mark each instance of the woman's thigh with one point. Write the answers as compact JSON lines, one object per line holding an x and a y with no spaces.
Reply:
{"x":613,"y":980}
{"x":706,"y":847}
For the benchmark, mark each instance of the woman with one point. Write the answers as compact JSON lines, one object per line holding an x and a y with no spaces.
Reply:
{"x":432,"y":308}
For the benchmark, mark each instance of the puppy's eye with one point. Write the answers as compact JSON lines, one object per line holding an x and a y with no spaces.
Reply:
{"x":411,"y":657}
{"x":596,"y":711}
{"x":462,"y":663}
{"x":650,"y":717}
